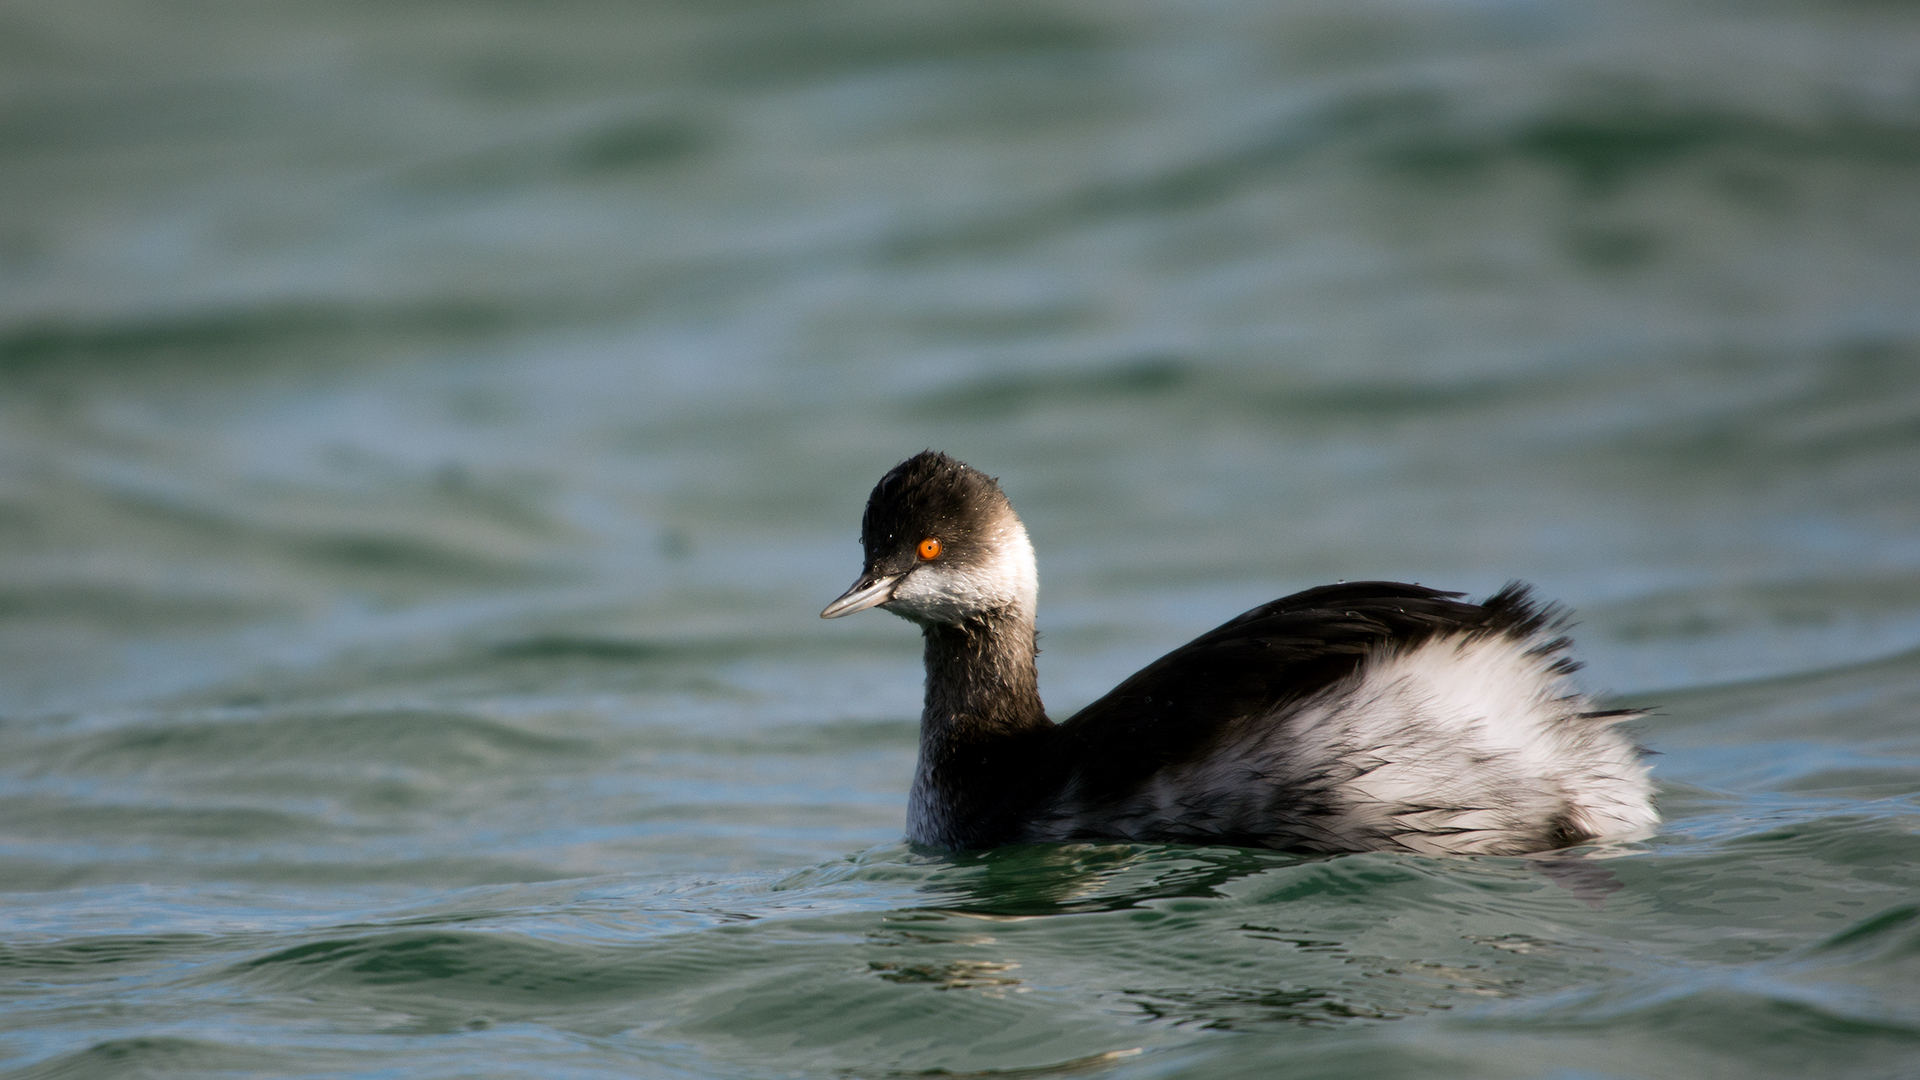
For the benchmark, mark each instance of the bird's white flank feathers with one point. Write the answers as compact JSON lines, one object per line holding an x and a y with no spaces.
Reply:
{"x":1473,"y":741}
{"x":1465,"y":744}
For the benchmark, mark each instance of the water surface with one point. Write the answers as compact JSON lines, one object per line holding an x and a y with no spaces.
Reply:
{"x":428,"y":433}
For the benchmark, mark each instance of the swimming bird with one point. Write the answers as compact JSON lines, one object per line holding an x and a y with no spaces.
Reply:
{"x":1363,"y":716}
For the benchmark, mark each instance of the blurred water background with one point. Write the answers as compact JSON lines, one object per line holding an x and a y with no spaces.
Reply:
{"x":429,"y":430}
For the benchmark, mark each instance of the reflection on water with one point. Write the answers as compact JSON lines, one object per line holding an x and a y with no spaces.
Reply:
{"x":427,"y":434}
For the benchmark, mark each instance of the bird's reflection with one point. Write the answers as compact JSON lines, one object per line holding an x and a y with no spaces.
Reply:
{"x":1031,"y":880}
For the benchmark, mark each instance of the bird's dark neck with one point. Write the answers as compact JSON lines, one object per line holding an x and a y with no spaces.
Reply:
{"x":982,"y":718}
{"x":981,"y":679}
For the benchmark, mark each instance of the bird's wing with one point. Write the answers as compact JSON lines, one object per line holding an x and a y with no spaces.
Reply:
{"x":1279,"y":652}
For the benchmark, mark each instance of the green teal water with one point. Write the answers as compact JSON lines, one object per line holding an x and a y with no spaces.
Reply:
{"x":428,"y":432}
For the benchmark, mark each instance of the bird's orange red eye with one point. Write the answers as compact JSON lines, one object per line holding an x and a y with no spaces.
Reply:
{"x":930,"y":548}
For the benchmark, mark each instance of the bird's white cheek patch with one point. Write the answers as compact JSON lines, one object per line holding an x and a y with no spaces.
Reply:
{"x":945,"y":593}
{"x":938,"y":594}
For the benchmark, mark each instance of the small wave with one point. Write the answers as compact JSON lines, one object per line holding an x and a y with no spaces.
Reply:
{"x":502,"y":969}
{"x":241,"y":336}
{"x":1861,"y":701}
{"x":435,"y":741}
{"x":612,"y":149}
{"x":164,"y":1055}
{"x":428,"y":532}
{"x":84,"y":958}
{"x":776,"y":48}
{"x":1893,"y":933}
{"x":1810,"y":1029}
{"x":1004,"y":394}
{"x":132,"y":607}
{"x":615,"y":650}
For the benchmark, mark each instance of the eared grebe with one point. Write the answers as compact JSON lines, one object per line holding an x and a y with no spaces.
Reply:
{"x":1370,"y":716}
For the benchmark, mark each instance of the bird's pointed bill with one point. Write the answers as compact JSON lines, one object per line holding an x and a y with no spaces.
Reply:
{"x":867,"y":592}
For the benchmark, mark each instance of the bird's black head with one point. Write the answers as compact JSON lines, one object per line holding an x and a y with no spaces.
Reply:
{"x":942,"y":544}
